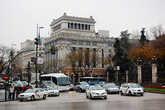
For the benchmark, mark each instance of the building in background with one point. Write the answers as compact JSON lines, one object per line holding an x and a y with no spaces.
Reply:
{"x":28,"y":49}
{"x":68,"y":34}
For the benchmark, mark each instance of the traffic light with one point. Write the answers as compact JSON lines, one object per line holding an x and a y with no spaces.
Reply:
{"x":33,"y":59}
{"x":37,"y":41}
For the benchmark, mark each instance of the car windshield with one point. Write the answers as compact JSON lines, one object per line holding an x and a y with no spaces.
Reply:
{"x":111,"y":86}
{"x":52,"y":89}
{"x":134,"y":86}
{"x":29,"y":91}
{"x":83,"y":83}
{"x":96,"y":88}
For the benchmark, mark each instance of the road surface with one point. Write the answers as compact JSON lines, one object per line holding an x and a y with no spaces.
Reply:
{"x":78,"y":101}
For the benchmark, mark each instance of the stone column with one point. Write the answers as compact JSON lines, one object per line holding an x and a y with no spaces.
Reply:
{"x":102,"y":58}
{"x":127,"y":76}
{"x":107,"y":76}
{"x":73,"y":78}
{"x":139,"y":74}
{"x":78,"y":77}
{"x":99,"y":55}
{"x":154,"y":73}
{"x":117,"y":76}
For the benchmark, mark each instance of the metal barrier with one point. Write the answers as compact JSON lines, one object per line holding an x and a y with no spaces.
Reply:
{"x":2,"y":94}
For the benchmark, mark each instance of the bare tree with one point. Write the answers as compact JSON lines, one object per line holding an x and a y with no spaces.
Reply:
{"x":135,"y":34}
{"x":4,"y":54}
{"x":157,"y":31}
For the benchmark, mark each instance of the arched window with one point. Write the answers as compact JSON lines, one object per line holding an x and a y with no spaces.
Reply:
{"x":86,"y":27}
{"x":75,"y":25}
{"x":82,"y":26}
{"x":79,"y":26}
{"x":69,"y":25}
{"x":72,"y":25}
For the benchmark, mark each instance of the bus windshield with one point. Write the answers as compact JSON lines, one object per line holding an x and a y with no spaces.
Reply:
{"x":63,"y":81}
{"x":92,"y":80}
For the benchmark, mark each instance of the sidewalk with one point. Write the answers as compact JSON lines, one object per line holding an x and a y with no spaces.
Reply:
{"x":2,"y":96}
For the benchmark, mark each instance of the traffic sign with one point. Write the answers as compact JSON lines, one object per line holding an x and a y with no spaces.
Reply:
{"x":5,"y":77}
{"x":40,"y":60}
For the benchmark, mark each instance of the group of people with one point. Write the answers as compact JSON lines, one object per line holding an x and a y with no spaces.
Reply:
{"x":13,"y":92}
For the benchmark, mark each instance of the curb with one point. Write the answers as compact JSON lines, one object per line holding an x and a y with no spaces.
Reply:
{"x":155,"y":92}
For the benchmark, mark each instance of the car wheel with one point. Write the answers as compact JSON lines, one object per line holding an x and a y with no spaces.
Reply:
{"x":21,"y":100}
{"x":142,"y":94}
{"x":105,"y":97}
{"x":32,"y":98}
{"x":121,"y":93}
{"x":129,"y":93}
{"x":80,"y":90}
{"x":44,"y":97}
{"x":91,"y":96}
{"x":87,"y":96}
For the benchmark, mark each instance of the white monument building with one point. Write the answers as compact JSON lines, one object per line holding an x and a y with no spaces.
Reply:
{"x":69,"y":33}
{"x":29,"y":47}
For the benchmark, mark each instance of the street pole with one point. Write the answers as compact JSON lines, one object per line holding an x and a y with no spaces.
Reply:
{"x":36,"y":66}
{"x":37,"y":42}
{"x":29,"y":74}
{"x":117,"y":75}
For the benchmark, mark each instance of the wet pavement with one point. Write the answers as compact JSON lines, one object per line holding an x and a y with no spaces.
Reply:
{"x":2,"y":94}
{"x":78,"y":101}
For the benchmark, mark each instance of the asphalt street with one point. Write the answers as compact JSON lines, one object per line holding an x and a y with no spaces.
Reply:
{"x":2,"y":94}
{"x":78,"y":101}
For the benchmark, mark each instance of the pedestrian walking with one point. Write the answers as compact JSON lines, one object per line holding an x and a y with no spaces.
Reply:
{"x":12,"y":92}
{"x":9,"y":93}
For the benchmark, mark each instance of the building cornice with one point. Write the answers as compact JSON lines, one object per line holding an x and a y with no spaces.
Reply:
{"x":74,"y":19}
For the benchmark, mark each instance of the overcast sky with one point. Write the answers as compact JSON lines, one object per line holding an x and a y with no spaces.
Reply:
{"x":18,"y":18}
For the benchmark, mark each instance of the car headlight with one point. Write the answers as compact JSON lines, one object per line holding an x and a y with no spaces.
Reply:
{"x":134,"y":90}
{"x":94,"y":93}
{"x":104,"y":93}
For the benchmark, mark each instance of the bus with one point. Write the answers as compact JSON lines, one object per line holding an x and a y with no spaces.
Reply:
{"x":59,"y":80}
{"x":93,"y":80}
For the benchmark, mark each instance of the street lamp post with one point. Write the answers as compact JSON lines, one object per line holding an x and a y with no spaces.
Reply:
{"x":117,"y":74}
{"x":154,"y":69}
{"x":139,"y":64}
{"x":36,"y":66}
{"x":29,"y":73}
{"x":37,"y":43}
